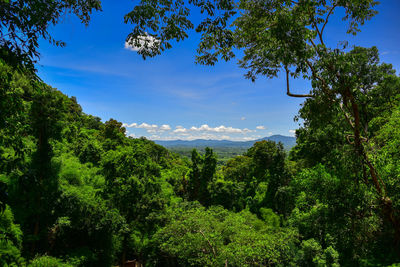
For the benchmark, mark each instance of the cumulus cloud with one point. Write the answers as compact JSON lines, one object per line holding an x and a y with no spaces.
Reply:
{"x":147,"y":126}
{"x":250,"y":138}
{"x":150,"y":128}
{"x":204,"y":131}
{"x":132,"y":125}
{"x":165,"y":127}
{"x":260,"y":127}
{"x":292,"y":132}
{"x":219,"y":129}
{"x":144,"y":42}
{"x":206,"y":136}
{"x":180,"y":129}
{"x":207,"y":129}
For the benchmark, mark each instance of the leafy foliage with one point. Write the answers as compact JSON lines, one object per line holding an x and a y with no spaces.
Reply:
{"x":195,"y":236}
{"x":24,"y":22}
{"x":10,"y":240}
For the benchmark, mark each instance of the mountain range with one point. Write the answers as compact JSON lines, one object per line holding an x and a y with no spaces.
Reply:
{"x":287,"y":141}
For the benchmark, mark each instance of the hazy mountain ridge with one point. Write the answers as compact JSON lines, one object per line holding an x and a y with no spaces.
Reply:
{"x":287,"y":141}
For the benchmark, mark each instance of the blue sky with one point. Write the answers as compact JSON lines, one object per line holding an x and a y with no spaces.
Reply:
{"x":170,"y":97}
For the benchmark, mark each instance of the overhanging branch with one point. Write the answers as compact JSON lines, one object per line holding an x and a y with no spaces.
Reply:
{"x":288,"y":87}
{"x":327,"y":17}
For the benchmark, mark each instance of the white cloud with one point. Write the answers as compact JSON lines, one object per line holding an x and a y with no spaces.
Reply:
{"x":243,"y":118}
{"x":260,"y":127}
{"x":150,"y":128}
{"x":144,"y":42}
{"x":132,"y":135}
{"x":132,"y":125}
{"x":165,"y":127}
{"x":206,"y":136}
{"x":180,"y":129}
{"x":250,"y":138}
{"x":204,"y":131}
{"x":219,"y":129}
{"x":147,"y":126}
{"x":292,"y":132}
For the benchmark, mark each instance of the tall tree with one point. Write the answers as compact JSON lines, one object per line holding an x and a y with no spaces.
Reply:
{"x":47,"y":113}
{"x":201,"y":174}
{"x":133,"y":187}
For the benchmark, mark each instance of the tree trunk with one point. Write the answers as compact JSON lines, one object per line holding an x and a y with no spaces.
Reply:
{"x":388,"y":210}
{"x":123,"y":258}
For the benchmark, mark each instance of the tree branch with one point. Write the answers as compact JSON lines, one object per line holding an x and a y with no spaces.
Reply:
{"x":288,"y":87}
{"x":324,"y":83}
{"x":346,"y":116}
{"x":209,"y":243}
{"x":348,"y":139}
{"x":327,"y":17}
{"x":318,"y":32}
{"x":315,"y":47}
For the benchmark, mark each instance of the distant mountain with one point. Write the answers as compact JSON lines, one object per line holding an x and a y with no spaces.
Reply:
{"x":287,"y":141}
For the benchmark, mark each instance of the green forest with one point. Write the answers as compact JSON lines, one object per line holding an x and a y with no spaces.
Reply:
{"x":76,"y":191}
{"x":223,"y":154}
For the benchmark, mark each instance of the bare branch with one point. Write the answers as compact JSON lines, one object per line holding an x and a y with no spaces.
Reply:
{"x":315,"y":47}
{"x":346,"y":116}
{"x":348,"y":139}
{"x":351,"y":135}
{"x":209,"y":243}
{"x":318,"y":32}
{"x":288,"y":87}
{"x":374,"y":175}
{"x":327,"y":17}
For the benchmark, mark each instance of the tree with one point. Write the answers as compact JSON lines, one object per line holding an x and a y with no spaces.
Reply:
{"x":38,"y":186}
{"x":274,"y":34}
{"x":23,"y":22}
{"x":195,"y":236}
{"x":10,"y":239}
{"x":336,"y":212}
{"x":268,"y":159}
{"x":201,"y":174}
{"x":253,"y":180}
{"x":278,"y":36}
{"x":133,"y":187}
{"x":113,"y":133}
{"x":13,"y":86}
